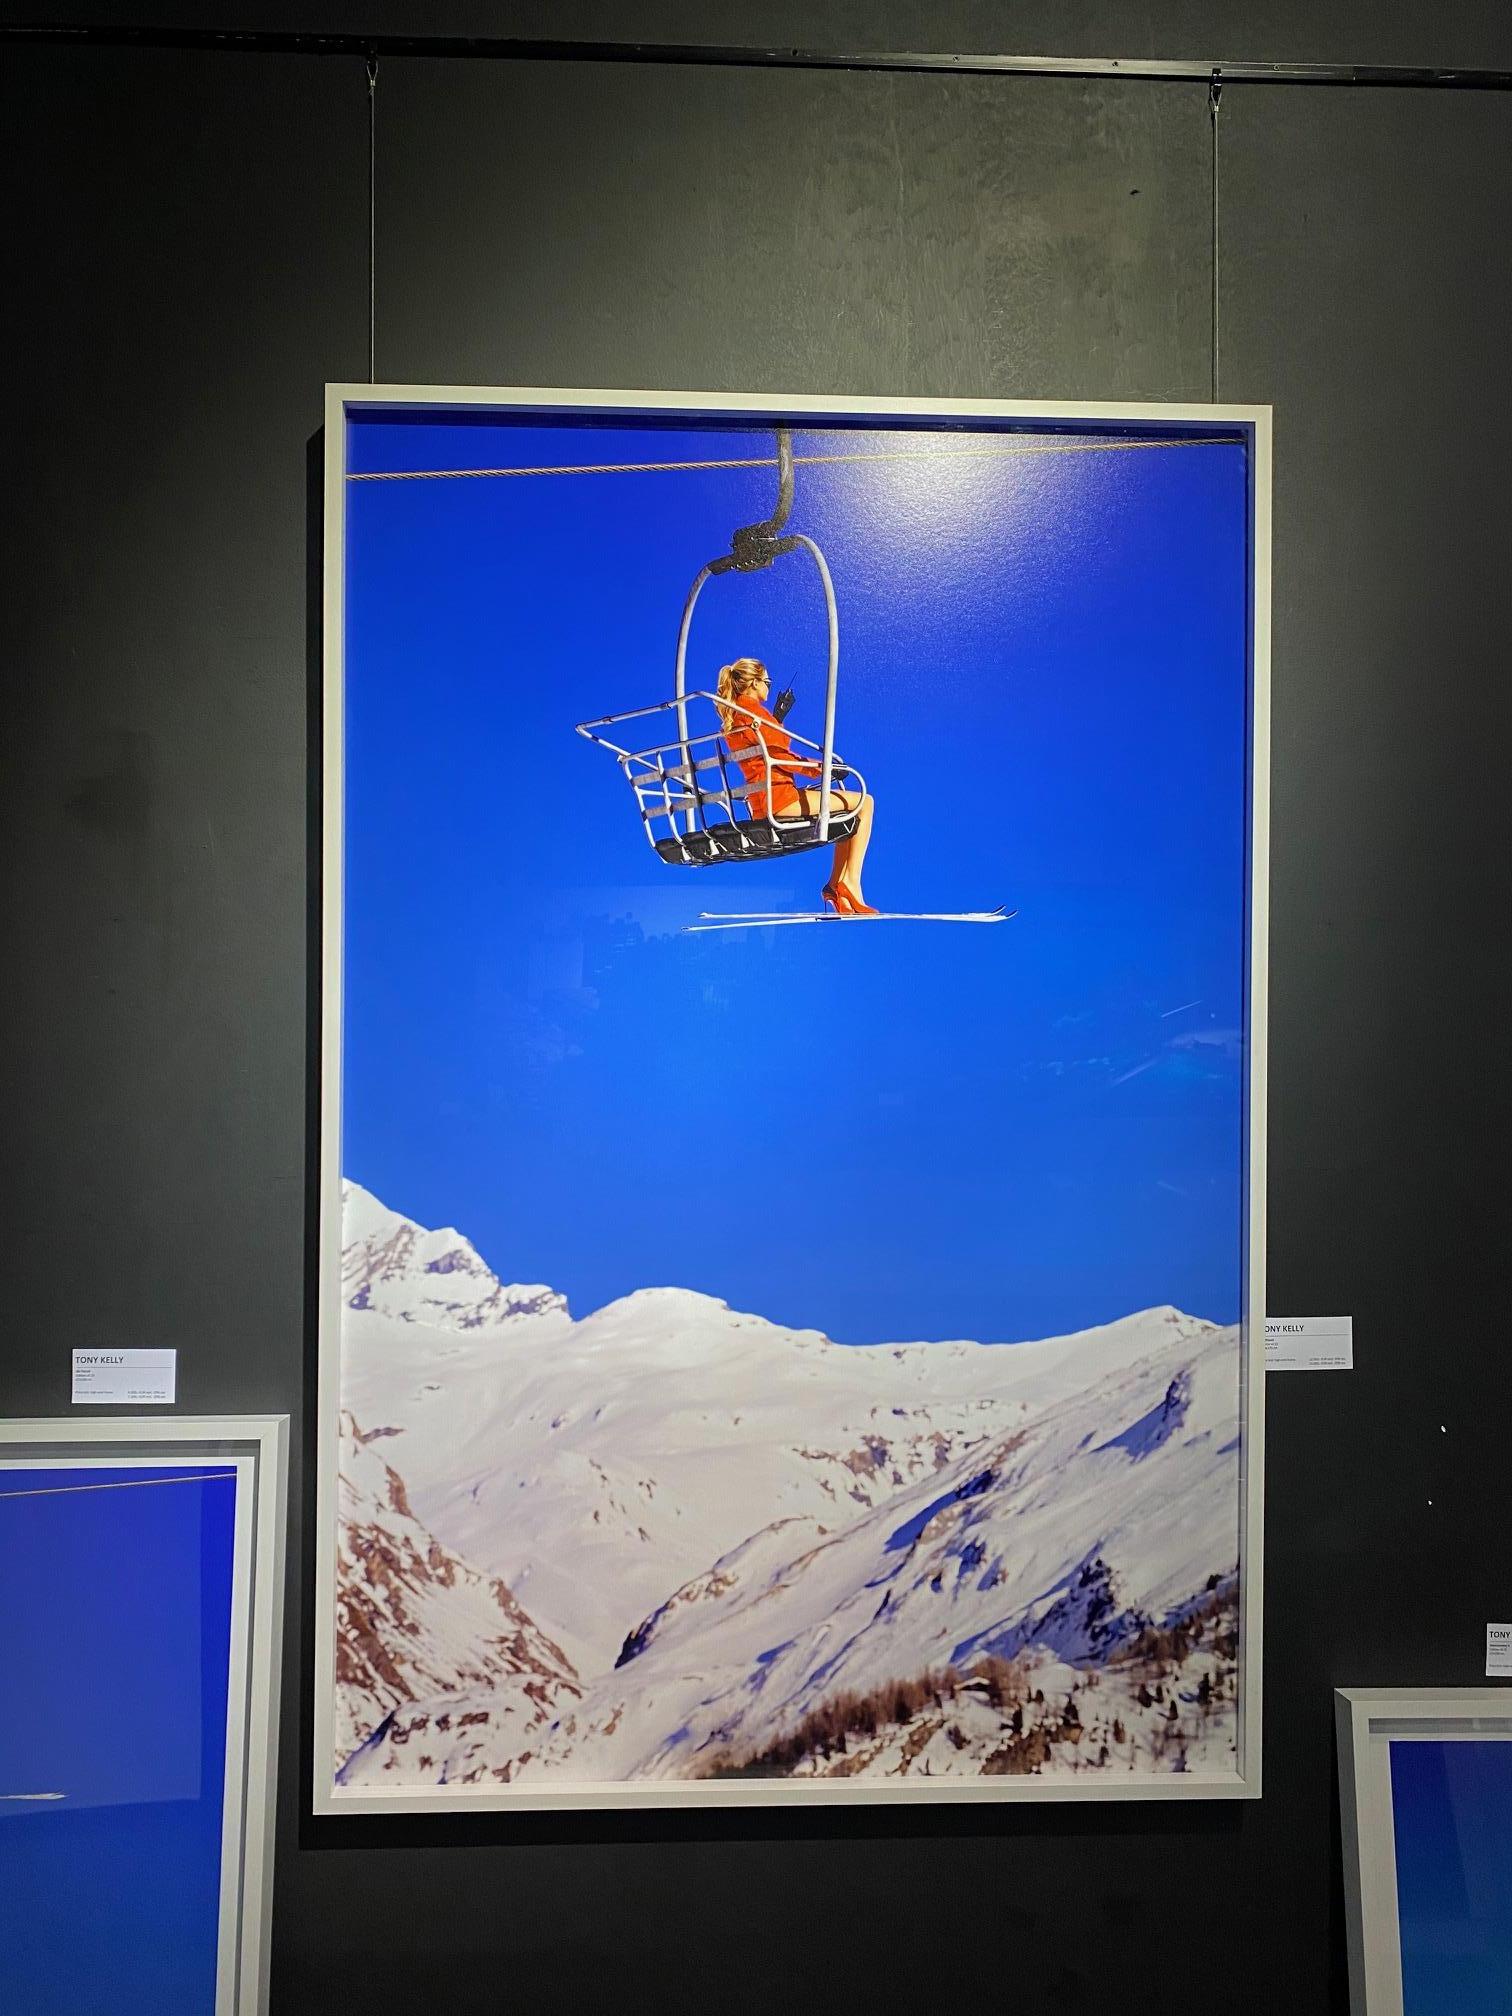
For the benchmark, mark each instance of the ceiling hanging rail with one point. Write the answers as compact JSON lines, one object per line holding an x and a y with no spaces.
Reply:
{"x":278,"y":42}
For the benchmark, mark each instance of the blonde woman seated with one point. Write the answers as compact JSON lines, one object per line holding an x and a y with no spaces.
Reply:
{"x":755,"y":738}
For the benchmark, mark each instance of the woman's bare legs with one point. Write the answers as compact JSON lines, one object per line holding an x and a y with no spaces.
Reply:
{"x":850,"y":852}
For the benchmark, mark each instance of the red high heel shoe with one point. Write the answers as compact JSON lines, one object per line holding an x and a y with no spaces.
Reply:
{"x":841,"y":901}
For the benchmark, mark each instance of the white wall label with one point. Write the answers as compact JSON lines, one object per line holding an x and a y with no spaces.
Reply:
{"x":1309,"y":1343}
{"x":124,"y":1378}
{"x":1499,"y":1651}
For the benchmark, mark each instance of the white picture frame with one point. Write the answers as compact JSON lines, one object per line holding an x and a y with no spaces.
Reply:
{"x":1368,"y":1720}
{"x":256,"y":1447}
{"x":1254,"y":422}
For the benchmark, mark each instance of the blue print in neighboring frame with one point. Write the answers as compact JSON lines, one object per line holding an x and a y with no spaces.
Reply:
{"x":1452,"y":1822}
{"x":116,"y":1589}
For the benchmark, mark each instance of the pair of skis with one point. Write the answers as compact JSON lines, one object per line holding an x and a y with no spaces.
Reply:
{"x":753,"y":920}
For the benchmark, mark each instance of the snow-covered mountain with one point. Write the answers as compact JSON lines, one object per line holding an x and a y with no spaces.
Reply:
{"x":1062,"y":1549}
{"x":597,"y":1465}
{"x":415,"y":1624}
{"x":395,"y":1268}
{"x":737,"y":1532}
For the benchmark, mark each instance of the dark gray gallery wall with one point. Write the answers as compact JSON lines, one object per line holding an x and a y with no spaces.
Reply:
{"x":187,"y":265}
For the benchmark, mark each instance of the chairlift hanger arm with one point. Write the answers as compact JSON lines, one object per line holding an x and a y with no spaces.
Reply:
{"x":753,"y":547}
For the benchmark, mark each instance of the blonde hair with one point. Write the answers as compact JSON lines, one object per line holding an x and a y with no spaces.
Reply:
{"x":734,"y":680}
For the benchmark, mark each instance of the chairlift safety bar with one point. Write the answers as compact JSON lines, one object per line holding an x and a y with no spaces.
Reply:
{"x":663,"y":790}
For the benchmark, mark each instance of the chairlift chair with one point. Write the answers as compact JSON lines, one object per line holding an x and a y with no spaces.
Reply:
{"x":691,"y":793}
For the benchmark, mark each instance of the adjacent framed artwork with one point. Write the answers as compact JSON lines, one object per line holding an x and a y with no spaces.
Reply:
{"x":793,"y":1100}
{"x":141,"y":1580}
{"x":1425,"y":1790}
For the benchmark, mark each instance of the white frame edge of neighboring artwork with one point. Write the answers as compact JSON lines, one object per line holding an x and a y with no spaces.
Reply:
{"x":1244,"y":1783}
{"x":258,"y":1445}
{"x":1366,"y":1720}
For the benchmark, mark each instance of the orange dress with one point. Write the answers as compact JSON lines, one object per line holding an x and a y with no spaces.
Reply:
{"x":746,"y":739}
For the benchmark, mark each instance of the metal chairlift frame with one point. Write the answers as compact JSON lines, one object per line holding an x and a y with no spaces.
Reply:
{"x":676,"y":790}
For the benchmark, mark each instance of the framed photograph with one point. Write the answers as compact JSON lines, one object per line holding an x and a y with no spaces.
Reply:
{"x":141,"y":1582}
{"x":1425,"y":1790}
{"x":793,"y":1100}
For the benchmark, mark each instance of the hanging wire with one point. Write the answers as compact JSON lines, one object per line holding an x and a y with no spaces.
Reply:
{"x":128,"y":1484}
{"x":1082,"y":447}
{"x":372,"y":84}
{"x":1215,"y":94}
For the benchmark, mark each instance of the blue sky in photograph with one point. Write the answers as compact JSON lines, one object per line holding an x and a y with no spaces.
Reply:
{"x":1450,"y":1808}
{"x":886,"y":1131}
{"x":117,"y":1603}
